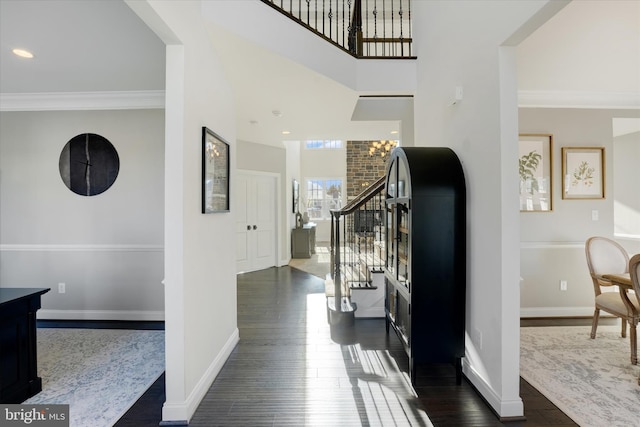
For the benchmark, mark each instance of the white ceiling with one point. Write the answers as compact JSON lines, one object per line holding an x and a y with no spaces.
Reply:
{"x":79,"y":46}
{"x":101,"y":45}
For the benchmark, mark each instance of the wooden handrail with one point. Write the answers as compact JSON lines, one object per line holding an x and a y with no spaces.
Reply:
{"x":360,"y":199}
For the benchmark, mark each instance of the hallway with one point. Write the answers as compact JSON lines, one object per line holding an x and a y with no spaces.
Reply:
{"x":288,"y":370}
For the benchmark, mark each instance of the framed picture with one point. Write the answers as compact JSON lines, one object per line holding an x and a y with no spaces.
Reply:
{"x":296,"y":196}
{"x":583,"y":172}
{"x":535,"y":158}
{"x":215,"y":173}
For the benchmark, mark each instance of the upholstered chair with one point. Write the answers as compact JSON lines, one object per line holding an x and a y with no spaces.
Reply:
{"x":634,"y":272}
{"x":605,"y":256}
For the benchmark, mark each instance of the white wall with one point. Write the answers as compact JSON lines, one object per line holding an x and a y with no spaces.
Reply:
{"x":108,"y":248}
{"x":555,"y":240}
{"x":626,"y":176}
{"x":201,"y":322}
{"x":458,"y":44}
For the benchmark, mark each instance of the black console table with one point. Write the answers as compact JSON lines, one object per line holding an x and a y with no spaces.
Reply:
{"x":18,"y":356}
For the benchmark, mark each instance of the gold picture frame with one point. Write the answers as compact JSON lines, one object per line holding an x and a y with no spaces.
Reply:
{"x":535,"y":158}
{"x":583,"y":173}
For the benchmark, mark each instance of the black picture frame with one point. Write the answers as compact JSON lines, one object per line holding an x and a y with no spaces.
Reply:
{"x":215,"y":172}
{"x":296,"y":196}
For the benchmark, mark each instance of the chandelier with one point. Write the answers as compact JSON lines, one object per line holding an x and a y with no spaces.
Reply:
{"x":381,"y":148}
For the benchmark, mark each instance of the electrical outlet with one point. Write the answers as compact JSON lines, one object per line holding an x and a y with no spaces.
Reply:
{"x":61,"y":288}
{"x":595,"y":215}
{"x":563,"y":285}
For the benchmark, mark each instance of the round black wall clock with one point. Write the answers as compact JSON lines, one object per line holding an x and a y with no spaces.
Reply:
{"x":89,"y":164}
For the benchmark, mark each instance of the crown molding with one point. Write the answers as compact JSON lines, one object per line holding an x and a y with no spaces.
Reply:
{"x":58,"y":101}
{"x":154,"y":99}
{"x":578,"y":99}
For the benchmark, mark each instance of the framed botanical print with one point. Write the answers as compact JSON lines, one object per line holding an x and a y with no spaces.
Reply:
{"x":583,"y":172}
{"x":535,"y":158}
{"x":215,"y":173}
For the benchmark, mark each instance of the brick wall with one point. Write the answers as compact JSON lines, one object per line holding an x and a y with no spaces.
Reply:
{"x":363,"y":169}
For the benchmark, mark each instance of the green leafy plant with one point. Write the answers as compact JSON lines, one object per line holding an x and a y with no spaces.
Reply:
{"x":584,"y":174}
{"x":528,"y":164}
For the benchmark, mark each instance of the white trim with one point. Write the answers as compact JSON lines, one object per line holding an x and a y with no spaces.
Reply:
{"x":578,"y":99}
{"x":100,"y":315}
{"x":622,"y":236}
{"x":512,"y":408}
{"x":81,"y":248}
{"x":70,"y":101}
{"x":186,"y":409}
{"x":556,"y":311}
{"x":551,"y":245}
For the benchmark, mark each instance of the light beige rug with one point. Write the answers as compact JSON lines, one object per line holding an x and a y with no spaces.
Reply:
{"x":99,"y":373}
{"x":319,"y":264}
{"x":592,"y":381}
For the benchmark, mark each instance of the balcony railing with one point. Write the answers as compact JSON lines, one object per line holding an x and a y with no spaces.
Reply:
{"x":363,"y":28}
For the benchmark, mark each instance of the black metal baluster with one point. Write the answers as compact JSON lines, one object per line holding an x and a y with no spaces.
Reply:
{"x":400,"y":12}
{"x":330,"y":20}
{"x":384,"y":25}
{"x":409,"y":24}
{"x":343,"y":12}
{"x":375,"y":26}
{"x":323,"y":11}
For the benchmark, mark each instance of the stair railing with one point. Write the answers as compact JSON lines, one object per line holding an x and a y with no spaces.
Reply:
{"x":357,"y":240}
{"x":363,"y":28}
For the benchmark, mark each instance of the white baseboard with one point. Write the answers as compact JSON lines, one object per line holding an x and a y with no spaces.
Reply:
{"x":369,"y":312}
{"x":184,"y":411}
{"x":556,"y":312}
{"x":504,"y":408}
{"x":100,"y":315}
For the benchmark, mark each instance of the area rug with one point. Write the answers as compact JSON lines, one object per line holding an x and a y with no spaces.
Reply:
{"x":99,"y":373}
{"x":592,"y":381}
{"x":318,"y":265}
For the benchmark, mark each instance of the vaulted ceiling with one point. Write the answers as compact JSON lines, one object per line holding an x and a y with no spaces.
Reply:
{"x":101,"y":45}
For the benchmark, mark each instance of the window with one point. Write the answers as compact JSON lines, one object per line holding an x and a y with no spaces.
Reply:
{"x":322,"y":196}
{"x":329,"y":144}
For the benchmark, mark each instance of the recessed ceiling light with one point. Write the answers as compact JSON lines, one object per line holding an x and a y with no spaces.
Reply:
{"x":277,"y":113}
{"x":22,"y":53}
{"x":394,"y":132}
{"x":285,"y":132}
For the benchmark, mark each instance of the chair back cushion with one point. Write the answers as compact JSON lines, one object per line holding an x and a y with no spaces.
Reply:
{"x":606,"y":256}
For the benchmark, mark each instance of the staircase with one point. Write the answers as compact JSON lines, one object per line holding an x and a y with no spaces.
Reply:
{"x":357,"y":257}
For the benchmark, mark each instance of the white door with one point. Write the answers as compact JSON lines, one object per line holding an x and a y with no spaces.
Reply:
{"x":256,"y":221}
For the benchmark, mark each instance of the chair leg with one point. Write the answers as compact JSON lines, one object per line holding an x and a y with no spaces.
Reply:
{"x":594,"y":324}
{"x":623,"y":333}
{"x":634,"y":344}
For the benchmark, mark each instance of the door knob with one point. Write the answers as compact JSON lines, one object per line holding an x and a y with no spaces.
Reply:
{"x":248,"y":227}
{"x":255,"y":227}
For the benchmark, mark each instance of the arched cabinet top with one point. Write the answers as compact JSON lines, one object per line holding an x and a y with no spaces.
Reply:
{"x":428,"y":170}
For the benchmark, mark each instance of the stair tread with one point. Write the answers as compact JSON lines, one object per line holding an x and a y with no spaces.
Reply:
{"x":346,"y":305}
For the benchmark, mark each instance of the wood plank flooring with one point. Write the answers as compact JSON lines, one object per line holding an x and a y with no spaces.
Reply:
{"x":291,"y":369}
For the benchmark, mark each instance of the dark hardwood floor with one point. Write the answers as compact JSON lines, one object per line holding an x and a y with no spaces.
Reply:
{"x":291,"y":369}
